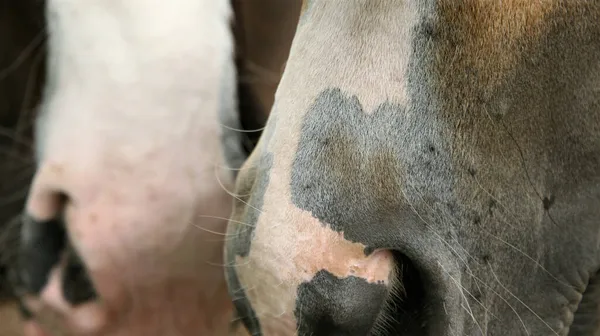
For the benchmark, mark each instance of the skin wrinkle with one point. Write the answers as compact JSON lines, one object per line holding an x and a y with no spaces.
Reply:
{"x":487,"y":172}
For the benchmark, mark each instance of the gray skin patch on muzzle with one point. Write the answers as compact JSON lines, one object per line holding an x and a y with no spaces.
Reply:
{"x":328,"y":305}
{"x":348,"y":171}
{"x":367,"y":175}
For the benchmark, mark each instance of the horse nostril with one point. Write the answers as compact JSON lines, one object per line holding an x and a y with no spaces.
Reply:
{"x":76,"y":284}
{"x":42,"y":243}
{"x":328,"y":305}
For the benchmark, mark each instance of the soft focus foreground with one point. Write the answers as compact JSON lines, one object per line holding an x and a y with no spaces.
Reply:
{"x":261,"y":56}
{"x":122,"y":230}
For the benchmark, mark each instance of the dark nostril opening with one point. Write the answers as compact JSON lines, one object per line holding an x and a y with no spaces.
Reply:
{"x":76,"y":284}
{"x":328,"y":305}
{"x":42,"y":243}
{"x":408,"y":310}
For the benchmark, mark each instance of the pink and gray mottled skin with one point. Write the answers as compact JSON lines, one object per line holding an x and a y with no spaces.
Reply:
{"x":429,"y":168}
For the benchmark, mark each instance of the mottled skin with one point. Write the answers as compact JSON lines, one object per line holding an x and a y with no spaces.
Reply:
{"x":464,"y":137}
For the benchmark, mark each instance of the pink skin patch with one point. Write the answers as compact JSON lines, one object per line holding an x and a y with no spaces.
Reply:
{"x":272,"y":274}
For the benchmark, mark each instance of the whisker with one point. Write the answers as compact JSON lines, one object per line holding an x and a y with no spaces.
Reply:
{"x":430,"y":227}
{"x":463,"y":288}
{"x":262,"y":71}
{"x":35,"y":43}
{"x":227,"y":167}
{"x":12,"y":135}
{"x":29,"y":89}
{"x":214,"y":232}
{"x":230,"y":193}
{"x":243,"y":130}
{"x":521,"y":302}
{"x":497,"y":202}
{"x":218,"y":166}
{"x":225,"y":218}
{"x":227,"y":265}
{"x":16,"y":197}
{"x":470,"y":312}
{"x":530,"y":258}
{"x":424,"y":202}
{"x":524,"y":166}
{"x":505,"y":301}
{"x":499,"y":239}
